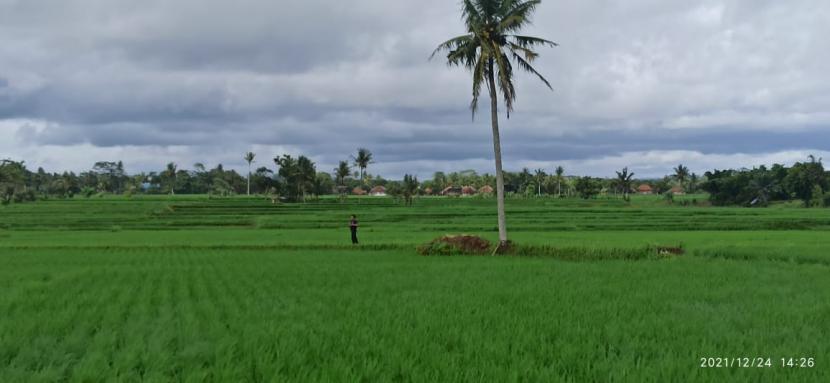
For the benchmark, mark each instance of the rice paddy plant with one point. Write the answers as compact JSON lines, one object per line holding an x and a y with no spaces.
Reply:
{"x":191,"y":289}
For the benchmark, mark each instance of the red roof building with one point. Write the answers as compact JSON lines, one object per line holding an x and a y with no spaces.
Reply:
{"x":468,"y":190}
{"x":451,"y":191}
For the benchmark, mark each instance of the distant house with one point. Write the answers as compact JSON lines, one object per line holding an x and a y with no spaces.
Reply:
{"x":677,"y":190}
{"x":378,"y":191}
{"x":451,"y":191}
{"x":645,"y":189}
{"x":358,"y":191}
{"x":486,"y":189}
{"x":428,"y":191}
{"x":468,"y":190}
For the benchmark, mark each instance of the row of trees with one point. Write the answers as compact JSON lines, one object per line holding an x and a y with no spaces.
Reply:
{"x":806,"y":181}
{"x":539,"y":182}
{"x":109,"y":177}
{"x":297,"y":179}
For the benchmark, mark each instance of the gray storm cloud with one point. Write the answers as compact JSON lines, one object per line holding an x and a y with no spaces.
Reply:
{"x":204,"y":81}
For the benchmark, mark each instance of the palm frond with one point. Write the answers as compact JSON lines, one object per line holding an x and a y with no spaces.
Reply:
{"x":529,"y":54}
{"x":528,"y":68}
{"x":530,"y":42}
{"x":489,"y":9}
{"x":478,"y":79}
{"x":507,"y":6}
{"x":518,"y":15}
{"x":471,"y":14}
{"x":465,"y":55}
{"x":451,"y":44}
{"x":505,"y":77}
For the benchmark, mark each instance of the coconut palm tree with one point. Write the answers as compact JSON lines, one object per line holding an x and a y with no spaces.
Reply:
{"x":410,"y":188}
{"x":560,"y":171}
{"x":341,"y":172}
{"x":362,"y":161}
{"x":693,"y":181}
{"x":681,"y":174}
{"x":624,"y":182}
{"x":489,"y":50}
{"x":307,"y":175}
{"x":249,"y":157}
{"x":170,"y":174}
{"x":539,"y":176}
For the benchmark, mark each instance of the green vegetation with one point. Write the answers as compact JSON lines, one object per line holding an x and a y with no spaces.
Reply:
{"x":805,"y":181}
{"x":191,"y":288}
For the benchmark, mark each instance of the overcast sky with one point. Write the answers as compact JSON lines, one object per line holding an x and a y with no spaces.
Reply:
{"x":646,"y":84}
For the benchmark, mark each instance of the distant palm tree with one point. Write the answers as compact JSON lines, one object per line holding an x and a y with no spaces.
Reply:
{"x":539,"y":176}
{"x":362,"y":161}
{"x":559,"y":172}
{"x":624,"y":182}
{"x":342,"y":172}
{"x":249,"y":157}
{"x":763,"y":185}
{"x":170,"y":173}
{"x":307,"y":175}
{"x":486,"y":50}
{"x":681,"y":174}
{"x":410,"y":188}
{"x":693,"y":181}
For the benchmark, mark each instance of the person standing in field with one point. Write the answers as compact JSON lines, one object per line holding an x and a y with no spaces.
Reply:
{"x":353,"y":227}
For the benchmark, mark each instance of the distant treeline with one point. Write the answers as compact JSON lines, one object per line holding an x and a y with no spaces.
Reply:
{"x":805,"y":181}
{"x":297,"y":179}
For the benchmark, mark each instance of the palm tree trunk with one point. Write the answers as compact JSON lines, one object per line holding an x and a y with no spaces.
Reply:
{"x":249,"y":178}
{"x":494,"y":116}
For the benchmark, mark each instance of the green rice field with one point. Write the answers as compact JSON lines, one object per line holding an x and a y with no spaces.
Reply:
{"x":192,"y":289}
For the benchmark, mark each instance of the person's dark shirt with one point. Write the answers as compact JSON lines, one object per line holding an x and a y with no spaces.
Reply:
{"x":353,"y":223}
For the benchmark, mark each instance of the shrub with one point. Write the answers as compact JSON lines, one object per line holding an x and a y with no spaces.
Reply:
{"x":587,"y":187}
{"x":25,"y":196}
{"x":87,"y":191}
{"x":817,"y":199}
{"x":456,"y":245}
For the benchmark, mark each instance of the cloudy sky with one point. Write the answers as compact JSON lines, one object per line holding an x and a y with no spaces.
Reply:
{"x":641,"y":83}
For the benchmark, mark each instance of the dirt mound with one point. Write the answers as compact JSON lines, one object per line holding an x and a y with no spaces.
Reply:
{"x":665,"y":250}
{"x":456,"y":245}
